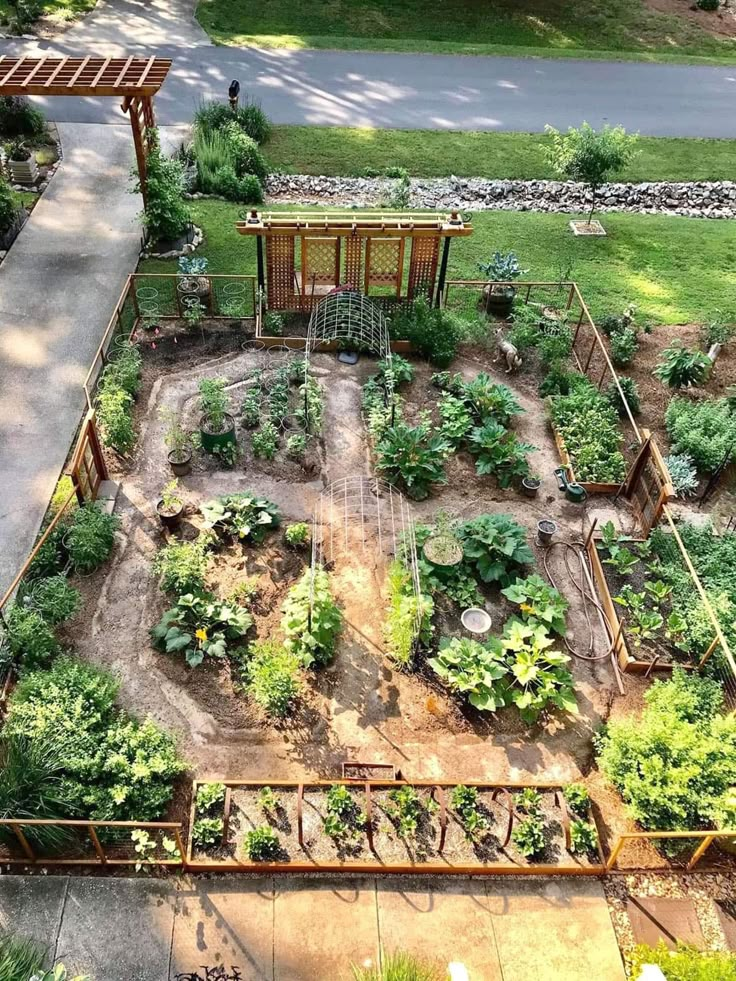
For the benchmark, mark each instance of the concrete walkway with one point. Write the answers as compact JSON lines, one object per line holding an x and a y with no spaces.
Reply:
{"x":297,"y":929}
{"x":128,"y":22}
{"x":58,"y":287}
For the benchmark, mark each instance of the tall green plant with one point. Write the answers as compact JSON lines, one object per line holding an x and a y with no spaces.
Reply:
{"x":312,"y":620}
{"x":412,"y":457}
{"x":165,"y":215}
{"x":496,"y":546}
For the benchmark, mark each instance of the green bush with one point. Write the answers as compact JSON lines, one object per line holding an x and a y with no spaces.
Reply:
{"x":115,"y":768}
{"x":8,"y":208}
{"x":434,"y":333}
{"x":686,"y":963}
{"x":704,"y":430}
{"x":409,"y":619}
{"x":577,"y":798}
{"x":274,"y":677}
{"x":19,"y":117}
{"x":624,"y":345}
{"x":709,"y":4}
{"x":682,"y":368}
{"x":55,"y":599}
{"x":251,"y":190}
{"x":124,"y":369}
{"x":297,"y":534}
{"x":496,"y":547}
{"x":30,"y":638}
{"x":91,"y":537}
{"x":249,"y":116}
{"x":165,"y":215}
{"x":673,"y":765}
{"x":312,"y":636}
{"x":245,"y":155}
{"x":182,"y":566}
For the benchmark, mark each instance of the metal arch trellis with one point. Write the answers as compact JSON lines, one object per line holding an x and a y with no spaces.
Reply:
{"x":347,"y":315}
{"x":361,"y":514}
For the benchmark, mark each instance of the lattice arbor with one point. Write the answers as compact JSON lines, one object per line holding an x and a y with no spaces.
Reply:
{"x":307,"y":255}
{"x":135,"y":80}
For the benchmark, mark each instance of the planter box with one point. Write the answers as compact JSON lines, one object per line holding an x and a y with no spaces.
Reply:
{"x":590,"y":486}
{"x":23,"y":171}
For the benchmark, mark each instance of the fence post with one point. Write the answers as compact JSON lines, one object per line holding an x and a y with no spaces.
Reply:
{"x":23,"y":842}
{"x":614,"y":854}
{"x":98,"y":847}
{"x":700,"y":851}
{"x":180,"y":845}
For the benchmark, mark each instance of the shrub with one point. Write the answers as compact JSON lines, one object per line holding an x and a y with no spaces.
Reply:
{"x":165,"y":215}
{"x":91,"y":537}
{"x":409,"y":619}
{"x":19,"y":117}
{"x":262,"y":844}
{"x":250,"y":189}
{"x":55,"y":600}
{"x":412,"y":457}
{"x":312,"y":636}
{"x":8,"y":208}
{"x":686,"y":963}
{"x":434,"y":333}
{"x":200,"y":626}
{"x":528,"y":837}
{"x":705,"y":431}
{"x":556,"y":347}
{"x":182,"y":566}
{"x":709,"y":4}
{"x":114,"y":767}
{"x":683,"y":474}
{"x":624,"y":345}
{"x":242,"y":516}
{"x":497,"y":451}
{"x":559,"y":380}
{"x":274,"y":677}
{"x":245,"y":155}
{"x":682,"y":368}
{"x":672,"y":765}
{"x":473,"y":670}
{"x":297,"y":534}
{"x":631,"y":393}
{"x":249,"y":116}
{"x":496,"y":547}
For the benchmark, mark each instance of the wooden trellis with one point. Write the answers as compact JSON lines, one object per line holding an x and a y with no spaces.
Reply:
{"x":307,"y":255}
{"x":136,"y":80}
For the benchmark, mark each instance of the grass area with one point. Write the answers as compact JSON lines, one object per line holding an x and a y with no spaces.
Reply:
{"x":677,"y":270}
{"x":60,"y":10}
{"x":559,"y":28}
{"x":339,"y":151}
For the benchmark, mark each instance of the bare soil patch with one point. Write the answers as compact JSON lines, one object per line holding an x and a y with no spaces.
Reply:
{"x":719,"y":23}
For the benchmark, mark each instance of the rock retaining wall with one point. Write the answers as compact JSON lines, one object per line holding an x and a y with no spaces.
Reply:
{"x":697,"y":199}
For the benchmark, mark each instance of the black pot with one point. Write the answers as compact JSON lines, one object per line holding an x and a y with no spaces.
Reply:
{"x":181,"y":467}
{"x":169,"y":521}
{"x":530,"y":486}
{"x":499,"y":304}
{"x":210,"y":441}
{"x":545,"y":531}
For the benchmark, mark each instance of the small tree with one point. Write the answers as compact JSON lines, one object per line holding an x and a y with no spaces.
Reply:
{"x":590,"y":156}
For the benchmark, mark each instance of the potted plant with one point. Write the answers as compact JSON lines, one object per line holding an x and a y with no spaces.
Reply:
{"x":170,"y":505}
{"x":178,"y":442}
{"x":498,"y":294}
{"x":530,"y":486}
{"x":22,"y":163}
{"x":216,"y":426}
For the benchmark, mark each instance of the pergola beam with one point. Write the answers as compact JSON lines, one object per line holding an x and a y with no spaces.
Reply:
{"x":88,"y":76}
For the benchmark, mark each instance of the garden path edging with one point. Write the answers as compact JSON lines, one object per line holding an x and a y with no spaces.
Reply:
{"x":696,"y":199}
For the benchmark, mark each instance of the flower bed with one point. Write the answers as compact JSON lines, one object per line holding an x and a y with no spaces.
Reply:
{"x":395,"y":827}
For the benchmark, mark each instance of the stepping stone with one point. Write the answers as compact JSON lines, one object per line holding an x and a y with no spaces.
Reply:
{"x":654,"y":918}
{"x":726,"y":911}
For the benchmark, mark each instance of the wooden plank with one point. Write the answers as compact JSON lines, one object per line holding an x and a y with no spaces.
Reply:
{"x":39,"y":65}
{"x":101,"y":72}
{"x":14,"y":66}
{"x":125,"y":68}
{"x":146,"y":72}
{"x":52,"y":77}
{"x":78,"y":72}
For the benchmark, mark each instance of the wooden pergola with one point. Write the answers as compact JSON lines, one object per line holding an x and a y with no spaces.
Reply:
{"x":136,"y":80}
{"x":309,"y":254}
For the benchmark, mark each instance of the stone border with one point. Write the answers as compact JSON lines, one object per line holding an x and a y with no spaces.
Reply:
{"x":697,"y":199}
{"x":197,"y":240}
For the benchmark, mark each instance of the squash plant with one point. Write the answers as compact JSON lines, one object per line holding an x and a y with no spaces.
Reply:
{"x":243,"y":516}
{"x":473,"y":670}
{"x":539,"y":601}
{"x":498,"y":452}
{"x":540,"y":678}
{"x":200,"y":626}
{"x":412,"y":457}
{"x":496,"y":546}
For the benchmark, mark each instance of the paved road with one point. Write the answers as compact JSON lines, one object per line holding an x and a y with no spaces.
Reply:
{"x":301,"y":929}
{"x":343,"y":88}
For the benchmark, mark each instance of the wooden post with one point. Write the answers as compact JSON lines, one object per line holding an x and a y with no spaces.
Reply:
{"x":180,"y":845}
{"x":700,"y":851}
{"x":709,"y":652}
{"x":259,"y":260}
{"x":96,"y":842}
{"x":614,"y":854}
{"x":23,"y":842}
{"x":443,"y":272}
{"x":131,"y":105}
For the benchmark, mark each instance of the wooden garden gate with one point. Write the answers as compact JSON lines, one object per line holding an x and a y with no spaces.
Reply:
{"x":648,"y":485}
{"x":87,"y":469}
{"x":136,"y":80}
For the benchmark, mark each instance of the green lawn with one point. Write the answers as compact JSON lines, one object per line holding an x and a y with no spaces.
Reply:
{"x":676,"y":270}
{"x":560,"y":28}
{"x":61,"y":10}
{"x":337,"y":151}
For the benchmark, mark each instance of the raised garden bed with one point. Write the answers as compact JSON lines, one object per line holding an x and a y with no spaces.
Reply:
{"x":379,"y":833}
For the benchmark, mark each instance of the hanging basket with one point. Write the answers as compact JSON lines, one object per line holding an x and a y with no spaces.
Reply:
{"x":443,"y":550}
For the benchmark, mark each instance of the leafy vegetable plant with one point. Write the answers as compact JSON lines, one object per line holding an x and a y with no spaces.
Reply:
{"x":583,"y":837}
{"x":540,"y":677}
{"x":473,"y":670}
{"x":312,"y":620}
{"x":412,"y":457}
{"x":498,"y":452}
{"x":242,"y":516}
{"x":528,"y":837}
{"x":200,"y":626}
{"x":496,"y":547}
{"x":262,"y":844}
{"x":539,"y":601}
{"x":465,"y":801}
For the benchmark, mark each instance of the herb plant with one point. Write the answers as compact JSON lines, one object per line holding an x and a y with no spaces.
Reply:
{"x":207,"y":832}
{"x":577,"y":798}
{"x":30,"y":638}
{"x":54,"y":599}
{"x":541,"y":679}
{"x":589,"y":426}
{"x":91,"y":537}
{"x":528,"y":801}
{"x":182,"y":565}
{"x":705,"y":430}
{"x":409,"y":619}
{"x":268,"y":800}
{"x":210,"y":796}
{"x":406,"y":809}
{"x":296,"y":446}
{"x":213,"y":403}
{"x":265,"y":441}
{"x":683,"y":474}
{"x":298,"y":534}
{"x":465,"y":801}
